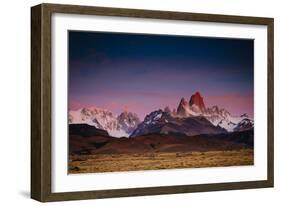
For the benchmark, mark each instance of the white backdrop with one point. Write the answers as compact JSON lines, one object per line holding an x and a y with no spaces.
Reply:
{"x":15,"y":102}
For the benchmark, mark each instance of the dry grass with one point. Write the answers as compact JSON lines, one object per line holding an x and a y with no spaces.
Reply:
{"x":155,"y":161}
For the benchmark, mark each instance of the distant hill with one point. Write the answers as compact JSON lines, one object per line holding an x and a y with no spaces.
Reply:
{"x":85,"y":130}
{"x":85,"y":139}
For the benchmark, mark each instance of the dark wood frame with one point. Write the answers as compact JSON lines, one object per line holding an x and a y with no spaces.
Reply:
{"x":41,"y":101}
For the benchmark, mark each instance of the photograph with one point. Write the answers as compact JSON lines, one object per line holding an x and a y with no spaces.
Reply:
{"x":140,"y":101}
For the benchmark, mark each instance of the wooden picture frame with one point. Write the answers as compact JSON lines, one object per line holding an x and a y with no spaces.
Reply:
{"x":41,"y":97}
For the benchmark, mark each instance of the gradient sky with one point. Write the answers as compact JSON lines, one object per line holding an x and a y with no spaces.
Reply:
{"x":142,"y":72}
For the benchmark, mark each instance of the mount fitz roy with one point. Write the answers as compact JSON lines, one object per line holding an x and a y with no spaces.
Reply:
{"x":217,"y":116}
{"x":190,"y":118}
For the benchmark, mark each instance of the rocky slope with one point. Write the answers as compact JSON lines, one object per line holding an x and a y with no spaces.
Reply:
{"x":164,"y":123}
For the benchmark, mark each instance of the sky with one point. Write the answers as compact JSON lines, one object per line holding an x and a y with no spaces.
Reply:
{"x":142,"y":72}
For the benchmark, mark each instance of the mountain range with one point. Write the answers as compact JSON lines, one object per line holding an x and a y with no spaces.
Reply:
{"x":121,"y":126}
{"x":190,"y":118}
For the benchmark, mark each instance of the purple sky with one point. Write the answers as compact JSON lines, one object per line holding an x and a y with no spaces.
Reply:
{"x":142,"y":73}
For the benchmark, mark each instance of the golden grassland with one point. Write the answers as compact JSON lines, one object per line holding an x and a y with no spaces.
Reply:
{"x":155,"y":161}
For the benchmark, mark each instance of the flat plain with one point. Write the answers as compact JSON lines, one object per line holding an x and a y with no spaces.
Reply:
{"x":95,"y":163}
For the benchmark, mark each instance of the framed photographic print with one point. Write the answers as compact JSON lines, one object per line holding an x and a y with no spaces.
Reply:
{"x":132,"y":102}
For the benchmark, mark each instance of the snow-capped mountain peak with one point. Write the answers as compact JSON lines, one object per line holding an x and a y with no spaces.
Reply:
{"x":121,"y":126}
{"x":128,"y":121}
{"x":244,"y":124}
